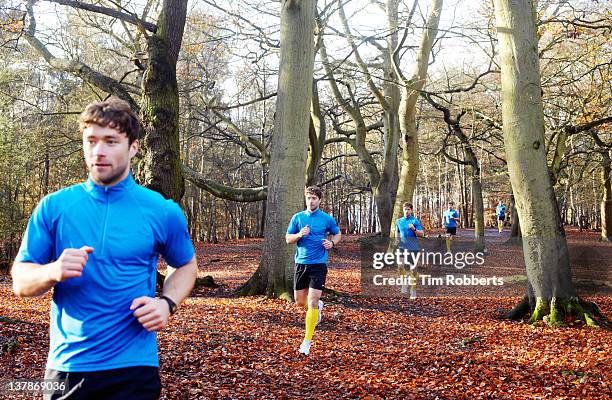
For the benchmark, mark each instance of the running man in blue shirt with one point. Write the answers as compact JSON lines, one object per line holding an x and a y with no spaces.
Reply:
{"x":315,"y":233}
{"x":96,"y":245}
{"x":450,"y":218}
{"x":501,"y":215}
{"x":409,"y":229}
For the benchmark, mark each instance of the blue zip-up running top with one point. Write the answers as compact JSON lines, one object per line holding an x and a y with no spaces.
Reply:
{"x":92,"y":326}
{"x":408,"y":238}
{"x":310,"y":248}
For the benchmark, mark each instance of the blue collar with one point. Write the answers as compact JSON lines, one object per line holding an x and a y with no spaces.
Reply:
{"x":309,"y":213}
{"x":114,"y":191}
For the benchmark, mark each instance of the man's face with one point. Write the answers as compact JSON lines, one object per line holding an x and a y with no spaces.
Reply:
{"x":107,"y":154}
{"x":450,"y":205}
{"x":312,"y":201}
{"x":407,"y":212}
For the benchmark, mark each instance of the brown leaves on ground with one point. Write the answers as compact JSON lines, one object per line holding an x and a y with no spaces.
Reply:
{"x":218,"y":346}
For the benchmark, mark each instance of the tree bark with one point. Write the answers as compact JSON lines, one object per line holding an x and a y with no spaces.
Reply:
{"x":316,"y":136}
{"x":274,"y":276}
{"x":606,"y":201}
{"x":162,"y":170}
{"x":544,"y":244}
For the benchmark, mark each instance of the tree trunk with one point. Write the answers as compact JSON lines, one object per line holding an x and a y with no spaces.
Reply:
{"x":515,"y":234}
{"x":479,"y":223}
{"x":606,"y":201}
{"x":288,"y":150}
{"x":544,"y":244}
{"x":407,"y":116}
{"x":316,"y":135}
{"x":162,"y":170}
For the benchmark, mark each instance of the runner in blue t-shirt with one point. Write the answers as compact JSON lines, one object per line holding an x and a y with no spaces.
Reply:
{"x":408,"y":230}
{"x":96,"y":245}
{"x":500,"y":211}
{"x":315,"y":233}
{"x":450,"y":218}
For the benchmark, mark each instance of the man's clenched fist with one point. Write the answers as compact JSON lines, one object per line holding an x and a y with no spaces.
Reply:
{"x":70,"y":264}
{"x":152,"y":313}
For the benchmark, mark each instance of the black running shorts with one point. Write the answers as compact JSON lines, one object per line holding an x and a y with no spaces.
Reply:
{"x":133,"y":383}
{"x":310,"y":276}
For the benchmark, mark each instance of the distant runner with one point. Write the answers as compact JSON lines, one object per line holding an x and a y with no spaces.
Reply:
{"x":501,"y":215}
{"x":450,"y":218}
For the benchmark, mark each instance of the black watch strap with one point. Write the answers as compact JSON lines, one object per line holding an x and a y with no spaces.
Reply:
{"x":171,"y":304}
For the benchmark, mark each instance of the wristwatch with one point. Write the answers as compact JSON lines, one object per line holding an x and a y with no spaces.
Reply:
{"x":171,"y":304}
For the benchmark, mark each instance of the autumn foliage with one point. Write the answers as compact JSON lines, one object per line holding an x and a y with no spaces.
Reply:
{"x":219,"y":346}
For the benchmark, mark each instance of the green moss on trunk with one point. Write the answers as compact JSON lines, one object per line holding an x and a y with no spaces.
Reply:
{"x":556,"y":311}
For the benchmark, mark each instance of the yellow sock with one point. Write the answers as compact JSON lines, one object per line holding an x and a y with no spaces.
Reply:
{"x":413,"y":281}
{"x":448,"y":243}
{"x":311,"y":321}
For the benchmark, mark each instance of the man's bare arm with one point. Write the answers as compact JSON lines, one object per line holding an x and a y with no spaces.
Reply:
{"x":179,"y":281}
{"x":291,"y":238}
{"x":332,"y":241}
{"x":30,"y":279}
{"x":153,"y":313}
{"x":336,"y":238}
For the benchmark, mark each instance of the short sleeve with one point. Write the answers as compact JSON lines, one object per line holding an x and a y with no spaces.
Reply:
{"x":419,"y":226}
{"x":37,"y":243}
{"x":178,"y":248}
{"x":332,"y":226}
{"x":293,"y":225}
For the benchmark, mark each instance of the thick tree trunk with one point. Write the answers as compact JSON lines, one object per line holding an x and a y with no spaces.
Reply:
{"x":606,"y":201}
{"x":289,"y":144}
{"x":544,"y":244}
{"x":162,"y":170}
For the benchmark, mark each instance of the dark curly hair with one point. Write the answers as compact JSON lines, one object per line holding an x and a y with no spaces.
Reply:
{"x":114,"y":113}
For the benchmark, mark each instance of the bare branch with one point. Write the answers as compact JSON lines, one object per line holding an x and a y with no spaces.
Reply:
{"x":245,"y":195}
{"x":77,"y":68}
{"x":130,"y":18}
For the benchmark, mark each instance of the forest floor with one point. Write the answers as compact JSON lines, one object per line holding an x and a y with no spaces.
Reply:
{"x":449,"y":346}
